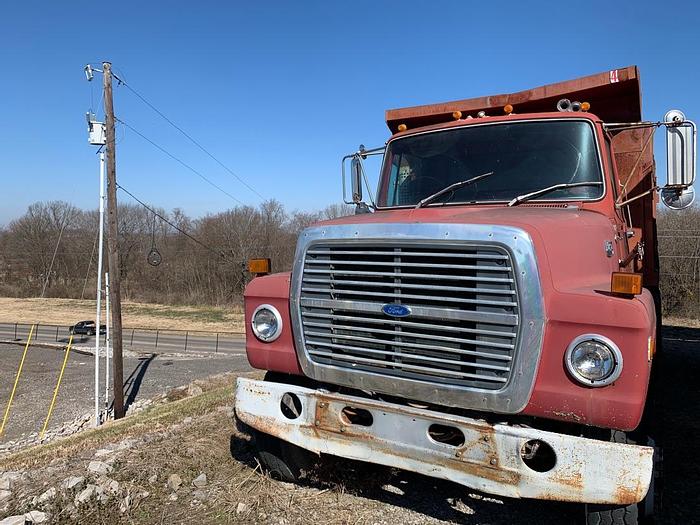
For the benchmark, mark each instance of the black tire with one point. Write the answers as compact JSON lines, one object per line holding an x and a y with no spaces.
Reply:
{"x":640,"y":513}
{"x":281,"y":460}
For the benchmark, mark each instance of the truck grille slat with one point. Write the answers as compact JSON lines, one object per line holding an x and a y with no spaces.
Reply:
{"x":390,"y":297}
{"x":410,"y":356}
{"x":422,"y":286}
{"x":400,"y":344}
{"x":426,"y":326}
{"x":410,"y":275}
{"x":398,"y":365}
{"x":415,"y":254}
{"x":463,"y":310}
{"x":340,"y":262}
{"x":423,"y":311}
{"x":405,"y":334}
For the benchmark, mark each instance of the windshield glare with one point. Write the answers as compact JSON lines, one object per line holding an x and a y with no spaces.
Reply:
{"x":524,"y":156}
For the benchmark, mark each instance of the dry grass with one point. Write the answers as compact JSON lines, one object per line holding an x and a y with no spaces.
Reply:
{"x":135,"y":315}
{"x":236,"y":491}
{"x":681,"y":321}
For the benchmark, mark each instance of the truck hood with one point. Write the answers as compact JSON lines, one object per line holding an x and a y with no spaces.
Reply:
{"x":570,"y":242}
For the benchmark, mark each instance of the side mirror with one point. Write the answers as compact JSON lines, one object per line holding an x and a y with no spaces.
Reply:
{"x":680,"y":150}
{"x":356,"y":179}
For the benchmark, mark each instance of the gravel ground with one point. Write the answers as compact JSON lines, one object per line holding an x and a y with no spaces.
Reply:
{"x":357,"y":493}
{"x":144,"y":377}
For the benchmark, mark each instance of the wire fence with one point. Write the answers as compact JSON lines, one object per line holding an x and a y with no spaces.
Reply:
{"x":137,"y":339}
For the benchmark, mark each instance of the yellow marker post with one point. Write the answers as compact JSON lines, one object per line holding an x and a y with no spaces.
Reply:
{"x":14,"y":388}
{"x":55,"y":392}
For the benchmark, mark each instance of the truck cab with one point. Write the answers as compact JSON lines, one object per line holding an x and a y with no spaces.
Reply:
{"x":491,"y":317}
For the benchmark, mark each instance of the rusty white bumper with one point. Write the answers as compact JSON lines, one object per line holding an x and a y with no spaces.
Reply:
{"x":586,"y":470}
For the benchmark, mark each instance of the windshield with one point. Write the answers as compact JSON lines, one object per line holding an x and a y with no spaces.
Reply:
{"x":523,"y":156}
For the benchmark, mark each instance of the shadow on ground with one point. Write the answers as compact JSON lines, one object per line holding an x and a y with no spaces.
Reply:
{"x":680,"y":399}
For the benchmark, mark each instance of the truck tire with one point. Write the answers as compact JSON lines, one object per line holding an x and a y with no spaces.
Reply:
{"x":637,"y":513}
{"x":283,"y":461}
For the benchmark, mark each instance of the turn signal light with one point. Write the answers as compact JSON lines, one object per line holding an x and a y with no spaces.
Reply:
{"x":259,"y":266}
{"x":626,"y":283}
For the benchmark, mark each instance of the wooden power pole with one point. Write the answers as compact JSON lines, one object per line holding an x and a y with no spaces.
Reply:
{"x":113,"y":246}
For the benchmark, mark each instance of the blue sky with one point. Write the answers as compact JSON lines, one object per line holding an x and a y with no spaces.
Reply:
{"x":280,"y":91}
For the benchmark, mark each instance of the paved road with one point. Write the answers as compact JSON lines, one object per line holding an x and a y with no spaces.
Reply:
{"x":139,"y":340}
{"x":144,"y":377}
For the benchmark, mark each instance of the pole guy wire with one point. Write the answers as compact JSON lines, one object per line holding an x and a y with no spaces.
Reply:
{"x":58,"y":384}
{"x":183,"y":232}
{"x":188,"y":136}
{"x":14,"y":387}
{"x":203,"y":177}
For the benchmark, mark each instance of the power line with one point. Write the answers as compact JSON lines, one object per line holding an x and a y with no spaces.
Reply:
{"x":179,"y":161}
{"x":189,"y":137}
{"x":212,"y":250}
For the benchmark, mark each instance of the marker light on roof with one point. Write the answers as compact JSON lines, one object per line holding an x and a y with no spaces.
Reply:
{"x":508,"y":109}
{"x":456,"y":115}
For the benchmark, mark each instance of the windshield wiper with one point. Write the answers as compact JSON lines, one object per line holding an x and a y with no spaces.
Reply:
{"x":549,"y":189}
{"x":452,"y":187}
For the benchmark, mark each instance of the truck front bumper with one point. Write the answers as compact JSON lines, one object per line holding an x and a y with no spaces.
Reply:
{"x":489,"y":460}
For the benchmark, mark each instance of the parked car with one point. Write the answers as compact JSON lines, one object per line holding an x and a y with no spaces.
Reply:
{"x":86,"y":328}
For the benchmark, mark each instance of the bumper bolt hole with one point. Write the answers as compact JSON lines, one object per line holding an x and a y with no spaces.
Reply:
{"x":447,"y":435}
{"x":356,"y":416}
{"x":538,"y":455}
{"x":290,"y":405}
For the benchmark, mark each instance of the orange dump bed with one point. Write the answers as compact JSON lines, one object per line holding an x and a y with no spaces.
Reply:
{"x":614,"y":97}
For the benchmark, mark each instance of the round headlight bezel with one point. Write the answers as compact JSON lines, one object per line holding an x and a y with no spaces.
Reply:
{"x":278,"y":318}
{"x":602,"y":340}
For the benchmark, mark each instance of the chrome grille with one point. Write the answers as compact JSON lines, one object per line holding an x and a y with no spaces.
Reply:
{"x":464,"y":318}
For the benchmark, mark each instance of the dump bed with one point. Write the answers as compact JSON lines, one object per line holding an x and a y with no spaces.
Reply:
{"x":614,"y":97}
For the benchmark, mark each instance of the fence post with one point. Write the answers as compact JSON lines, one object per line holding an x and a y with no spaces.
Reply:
{"x":216,"y":351}
{"x":186,"y":337}
{"x":57,"y":334}
{"x":157,"y":332}
{"x":132,"y":338}
{"x":15,"y":331}
{"x":36,"y":335}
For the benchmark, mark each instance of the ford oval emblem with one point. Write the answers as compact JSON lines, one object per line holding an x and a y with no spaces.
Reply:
{"x":396,"y":310}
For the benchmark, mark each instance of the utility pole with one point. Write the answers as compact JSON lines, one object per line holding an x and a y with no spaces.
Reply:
{"x":112,"y":239}
{"x":107,"y":343}
{"x":99,"y":289}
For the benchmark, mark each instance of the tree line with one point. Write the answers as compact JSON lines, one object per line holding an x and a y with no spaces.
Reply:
{"x":214,"y":272}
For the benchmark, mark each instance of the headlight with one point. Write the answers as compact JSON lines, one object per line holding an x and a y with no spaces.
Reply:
{"x":593,"y":360}
{"x":266,"y":323}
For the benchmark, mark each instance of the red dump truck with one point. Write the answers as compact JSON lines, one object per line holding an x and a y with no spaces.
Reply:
{"x":492,"y":315}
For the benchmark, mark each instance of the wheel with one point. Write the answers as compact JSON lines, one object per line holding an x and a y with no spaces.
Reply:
{"x":637,"y":513}
{"x":283,"y":461}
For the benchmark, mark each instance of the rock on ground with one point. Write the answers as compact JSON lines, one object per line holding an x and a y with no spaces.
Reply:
{"x":73,"y":483}
{"x":174,"y":482}
{"x":200,"y":481}
{"x":100,"y":467}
